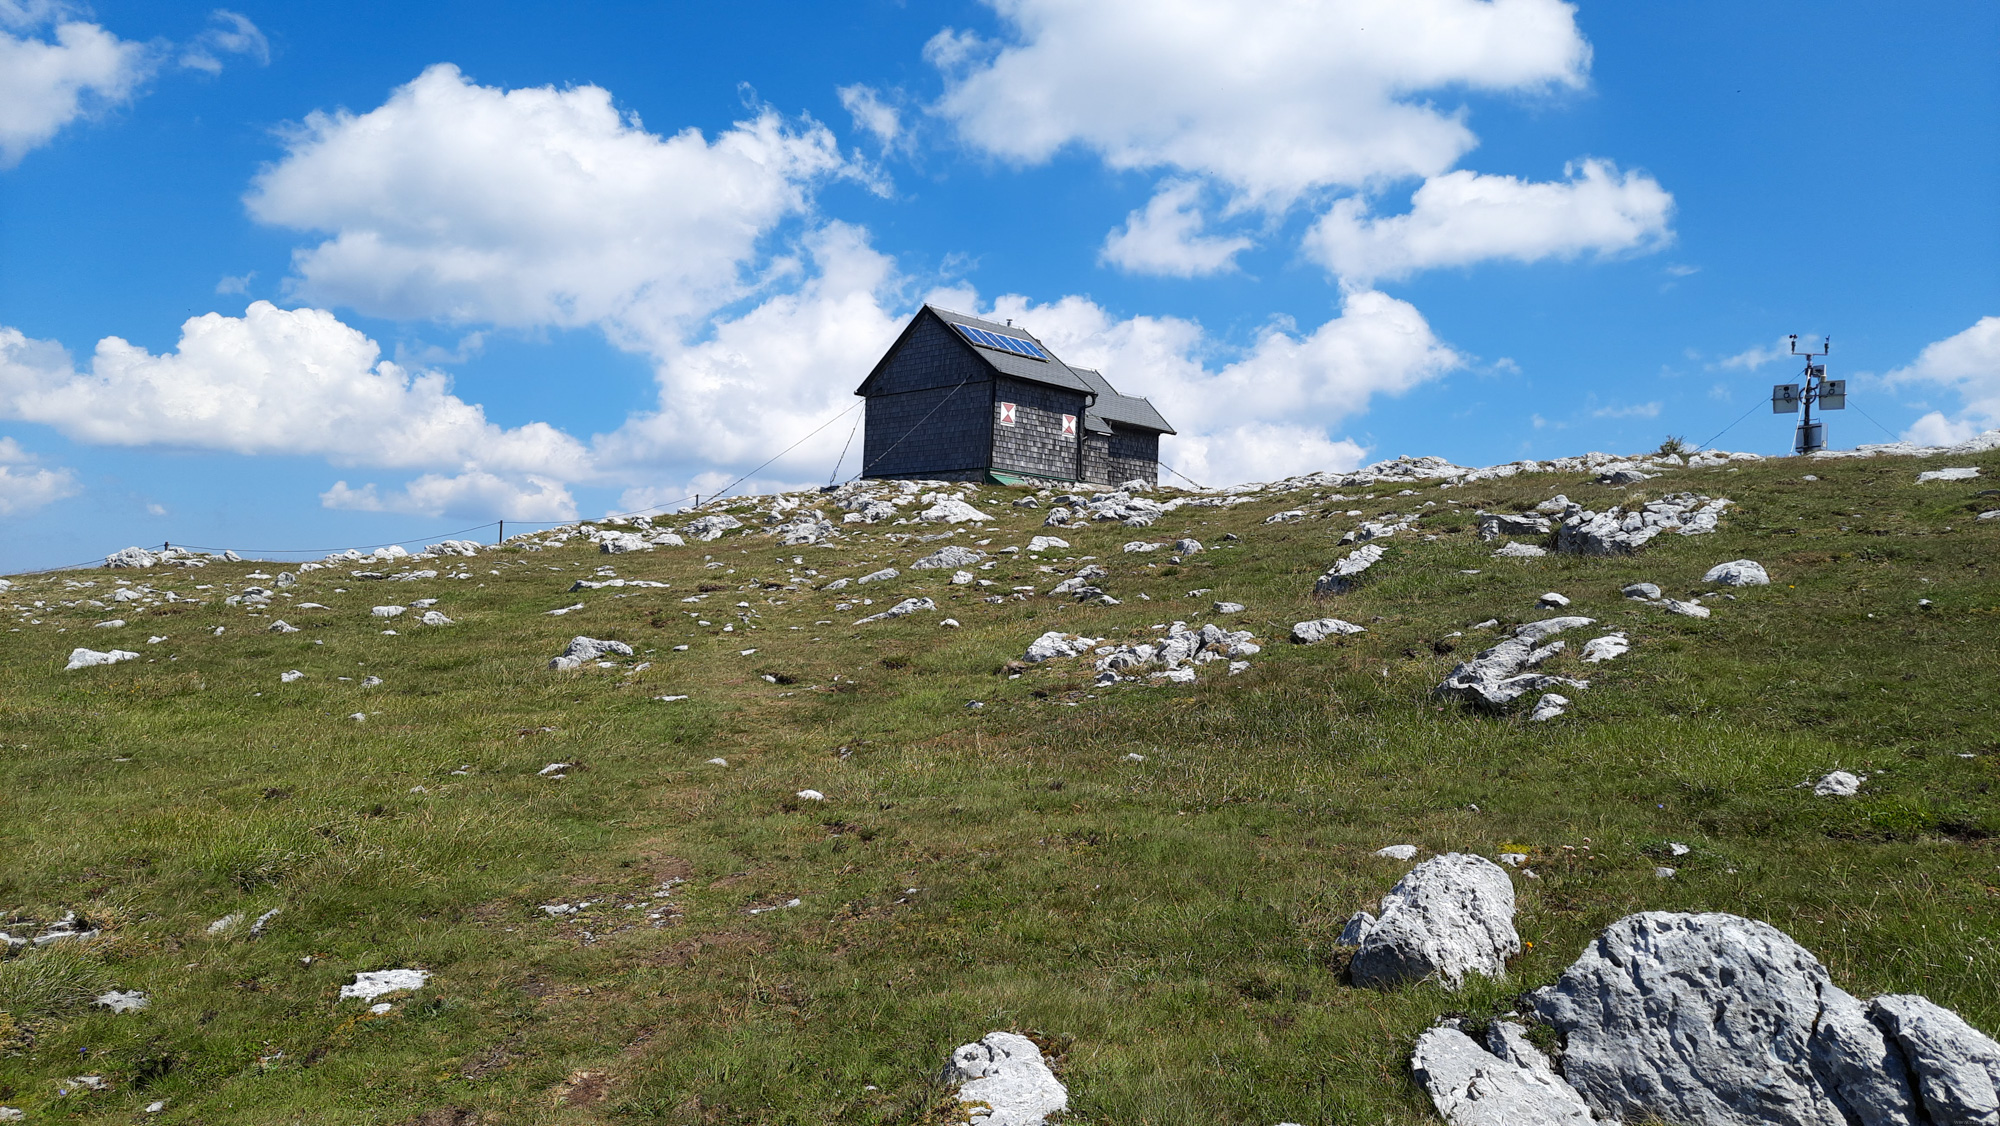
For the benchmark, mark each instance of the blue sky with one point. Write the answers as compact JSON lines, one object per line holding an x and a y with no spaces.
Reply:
{"x":313,"y":276}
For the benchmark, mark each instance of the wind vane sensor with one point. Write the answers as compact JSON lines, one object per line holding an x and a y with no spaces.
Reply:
{"x":1813,"y":388}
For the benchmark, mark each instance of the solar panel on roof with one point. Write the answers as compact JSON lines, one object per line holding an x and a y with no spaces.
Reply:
{"x":1002,"y":343}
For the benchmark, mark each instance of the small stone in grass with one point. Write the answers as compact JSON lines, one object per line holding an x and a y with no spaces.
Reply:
{"x":1664,"y":873}
{"x":810,"y":795}
{"x":1398,"y":852}
{"x":1552,"y":599}
{"x":1839,"y":784}
{"x":717,"y":762}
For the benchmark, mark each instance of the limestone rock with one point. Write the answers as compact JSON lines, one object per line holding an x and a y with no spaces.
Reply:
{"x":583,"y":649}
{"x":951,"y":510}
{"x":1319,"y":629}
{"x":1520,"y":551}
{"x":1604,"y":648}
{"x":1006,"y":1081}
{"x":1965,"y":473}
{"x":1043,"y":543}
{"x":1187,"y":546}
{"x":1956,"y":1067}
{"x":1346,"y":574}
{"x":617,"y":543}
{"x":1839,"y":784}
{"x":1056,"y":643}
{"x":1645,"y":592}
{"x":881,"y":576}
{"x":1451,"y":916}
{"x":901,"y":609}
{"x":950,"y":556}
{"x":1397,"y":852}
{"x":1493,"y":525}
{"x":1739,"y":572}
{"x":1689,"y":609}
{"x":131,"y":557}
{"x":711,"y":527}
{"x":1551,"y":705}
{"x":1719,"y":1020}
{"x":1499,"y":676}
{"x":1471,"y":1086}
{"x":85,"y":658}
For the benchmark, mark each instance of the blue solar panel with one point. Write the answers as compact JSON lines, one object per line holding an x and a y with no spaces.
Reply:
{"x":995,"y":340}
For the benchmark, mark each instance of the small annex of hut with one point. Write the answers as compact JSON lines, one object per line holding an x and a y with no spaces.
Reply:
{"x":958,"y":398}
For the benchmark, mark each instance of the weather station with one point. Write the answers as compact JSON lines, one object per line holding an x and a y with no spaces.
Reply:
{"x":1813,"y":389}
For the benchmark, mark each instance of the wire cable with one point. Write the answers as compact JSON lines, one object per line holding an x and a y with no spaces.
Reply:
{"x":1891,"y":433}
{"x":1182,"y":476}
{"x":913,"y":429}
{"x":843,"y":453}
{"x":1728,"y":428}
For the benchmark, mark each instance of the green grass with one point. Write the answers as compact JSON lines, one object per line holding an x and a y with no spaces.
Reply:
{"x":1166,"y":925}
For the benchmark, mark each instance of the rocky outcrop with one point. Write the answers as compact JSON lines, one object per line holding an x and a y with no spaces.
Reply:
{"x":948,"y":557}
{"x":1715,"y":1020}
{"x":1451,"y":916}
{"x":901,"y":609}
{"x":1346,"y":574}
{"x":1725,"y":1021}
{"x":582,"y":649}
{"x":1004,"y":1081}
{"x":1494,"y":525}
{"x":1620,"y":531}
{"x":1499,"y":676}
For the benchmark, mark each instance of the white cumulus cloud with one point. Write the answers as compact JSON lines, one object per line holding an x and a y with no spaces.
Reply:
{"x":52,"y":75}
{"x":1273,"y":99}
{"x":871,"y":114}
{"x":228,"y":33}
{"x":535,"y":206}
{"x":1166,"y":237}
{"x":472,"y":495}
{"x":273,"y":381}
{"x":1464,"y":217}
{"x":766,"y":378}
{"x":1968,"y":363}
{"x":26,"y":486}
{"x":1268,"y":413}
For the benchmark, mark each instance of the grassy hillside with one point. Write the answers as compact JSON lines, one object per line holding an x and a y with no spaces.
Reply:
{"x":1164,"y":922}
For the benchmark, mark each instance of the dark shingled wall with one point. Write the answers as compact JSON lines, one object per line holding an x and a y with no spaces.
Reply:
{"x":932,"y":374}
{"x":1133,"y":453}
{"x":1097,"y":458}
{"x":1036,"y":443}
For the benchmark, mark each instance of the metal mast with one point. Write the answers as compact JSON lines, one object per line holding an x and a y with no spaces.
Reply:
{"x":1813,"y":388}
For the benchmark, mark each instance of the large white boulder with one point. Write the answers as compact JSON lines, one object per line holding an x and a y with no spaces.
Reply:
{"x":1005,"y":1081}
{"x":1451,"y":916}
{"x":1719,"y":1020}
{"x":1738,"y":572}
{"x":131,"y":557}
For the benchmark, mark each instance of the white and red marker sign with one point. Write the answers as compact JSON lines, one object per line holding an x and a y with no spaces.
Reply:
{"x":1006,"y":414}
{"x":1069,"y":426}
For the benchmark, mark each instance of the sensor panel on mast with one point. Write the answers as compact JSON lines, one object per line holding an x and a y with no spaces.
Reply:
{"x":1813,"y":389}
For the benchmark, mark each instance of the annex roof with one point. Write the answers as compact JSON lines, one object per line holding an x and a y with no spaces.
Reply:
{"x":1127,"y":410}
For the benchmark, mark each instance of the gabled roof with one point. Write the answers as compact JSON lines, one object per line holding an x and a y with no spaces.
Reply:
{"x":1109,"y":407}
{"x":1126,"y":410}
{"x":1051,"y":371}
